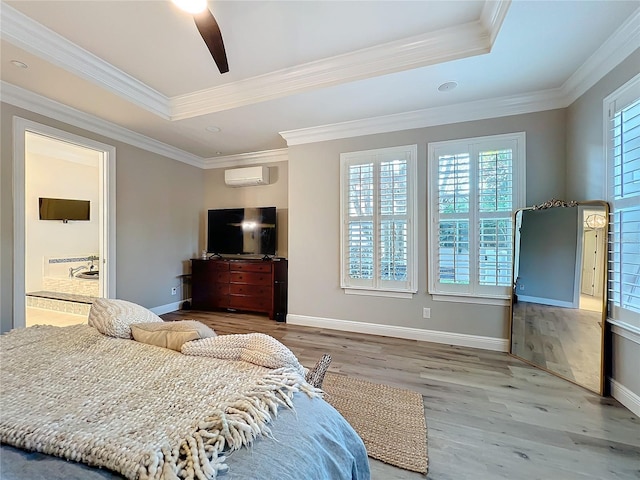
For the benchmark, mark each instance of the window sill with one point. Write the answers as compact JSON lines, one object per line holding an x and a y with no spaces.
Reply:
{"x":378,"y":293}
{"x":499,"y":301}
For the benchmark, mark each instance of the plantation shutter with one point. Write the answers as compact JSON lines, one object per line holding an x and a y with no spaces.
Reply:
{"x":378,"y":241}
{"x":496,"y":204}
{"x":454,"y":190}
{"x":476,"y":186}
{"x":624,"y":196}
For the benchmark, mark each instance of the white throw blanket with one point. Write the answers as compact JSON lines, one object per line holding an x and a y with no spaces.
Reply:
{"x":256,"y":348}
{"x":143,"y":411}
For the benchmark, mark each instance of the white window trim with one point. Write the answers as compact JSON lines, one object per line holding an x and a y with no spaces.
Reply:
{"x":624,"y":95}
{"x":519,"y":174}
{"x":412,"y":217}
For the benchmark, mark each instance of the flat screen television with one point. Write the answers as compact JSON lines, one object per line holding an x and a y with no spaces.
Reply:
{"x":242,"y":231}
{"x":64,"y":209}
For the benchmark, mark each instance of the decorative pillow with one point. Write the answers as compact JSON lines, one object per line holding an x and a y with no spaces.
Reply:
{"x":170,"y":334}
{"x":114,"y":317}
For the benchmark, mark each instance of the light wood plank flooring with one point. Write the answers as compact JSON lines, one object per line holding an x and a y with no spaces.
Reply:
{"x":563,"y":340}
{"x":489,"y":416}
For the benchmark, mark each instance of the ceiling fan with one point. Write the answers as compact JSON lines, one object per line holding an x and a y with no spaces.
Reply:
{"x":208,"y":28}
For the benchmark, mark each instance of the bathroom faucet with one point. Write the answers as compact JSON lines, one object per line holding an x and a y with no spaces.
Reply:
{"x":73,"y":271}
{"x":93,"y":258}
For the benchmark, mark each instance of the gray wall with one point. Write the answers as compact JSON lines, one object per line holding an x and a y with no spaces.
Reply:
{"x":586,"y":164}
{"x":548,"y":244}
{"x":314,"y":216}
{"x":585,"y":134}
{"x":219,"y":195}
{"x":158,"y":212}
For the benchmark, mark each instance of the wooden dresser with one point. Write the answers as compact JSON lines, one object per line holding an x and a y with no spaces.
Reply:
{"x":251,"y":285}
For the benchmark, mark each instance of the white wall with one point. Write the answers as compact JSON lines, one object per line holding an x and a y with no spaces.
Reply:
{"x":56,"y":178}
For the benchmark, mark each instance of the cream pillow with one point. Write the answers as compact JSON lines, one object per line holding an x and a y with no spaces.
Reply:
{"x":114,"y":317}
{"x":171,"y":334}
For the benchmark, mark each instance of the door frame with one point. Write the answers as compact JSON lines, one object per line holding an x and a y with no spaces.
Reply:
{"x":107,"y":199}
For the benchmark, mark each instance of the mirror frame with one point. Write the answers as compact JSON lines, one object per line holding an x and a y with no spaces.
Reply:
{"x":555,"y":203}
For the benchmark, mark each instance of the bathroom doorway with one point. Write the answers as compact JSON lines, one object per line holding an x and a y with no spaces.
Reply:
{"x":61,"y":264}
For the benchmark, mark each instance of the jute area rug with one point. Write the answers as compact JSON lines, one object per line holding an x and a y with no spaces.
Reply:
{"x":389,"y":420}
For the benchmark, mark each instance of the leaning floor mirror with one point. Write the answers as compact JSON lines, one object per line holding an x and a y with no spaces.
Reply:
{"x":558,"y":307}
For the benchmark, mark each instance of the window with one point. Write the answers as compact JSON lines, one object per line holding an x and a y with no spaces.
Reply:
{"x":475,"y":186}
{"x":622,"y":110}
{"x":378,"y":228}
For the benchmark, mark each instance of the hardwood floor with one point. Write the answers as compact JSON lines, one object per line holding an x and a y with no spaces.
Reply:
{"x":489,"y":415}
{"x":563,"y":340}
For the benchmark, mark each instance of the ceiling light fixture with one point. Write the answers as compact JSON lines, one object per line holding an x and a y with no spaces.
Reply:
{"x":213,"y":129}
{"x":447,"y":86}
{"x":19,"y":64}
{"x":191,"y":6}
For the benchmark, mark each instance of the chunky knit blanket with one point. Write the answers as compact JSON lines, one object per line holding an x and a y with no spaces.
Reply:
{"x":143,"y":411}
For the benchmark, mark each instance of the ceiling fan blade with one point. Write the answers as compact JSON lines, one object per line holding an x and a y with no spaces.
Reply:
{"x":210,"y":31}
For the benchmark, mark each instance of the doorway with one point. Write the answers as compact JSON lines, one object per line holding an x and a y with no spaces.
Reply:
{"x":594,"y":248}
{"x":49,"y":254}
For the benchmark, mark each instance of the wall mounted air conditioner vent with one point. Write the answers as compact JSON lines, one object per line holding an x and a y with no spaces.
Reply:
{"x":242,"y":177}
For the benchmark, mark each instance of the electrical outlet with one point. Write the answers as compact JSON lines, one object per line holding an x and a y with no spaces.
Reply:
{"x":521,"y":287}
{"x":174,"y":290}
{"x":426,"y":313}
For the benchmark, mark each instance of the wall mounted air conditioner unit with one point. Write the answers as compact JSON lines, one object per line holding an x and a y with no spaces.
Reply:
{"x":241,"y":177}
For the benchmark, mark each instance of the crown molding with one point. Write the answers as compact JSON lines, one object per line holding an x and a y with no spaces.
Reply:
{"x":252,"y":158}
{"x":462,"y":112}
{"x":622,"y":43}
{"x":24,"y":32}
{"x":417,"y":51}
{"x":473,"y":38}
{"x":492,"y":16}
{"x":33,"y":102}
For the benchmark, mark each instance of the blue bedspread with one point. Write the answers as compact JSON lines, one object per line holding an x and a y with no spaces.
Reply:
{"x":314,"y":442}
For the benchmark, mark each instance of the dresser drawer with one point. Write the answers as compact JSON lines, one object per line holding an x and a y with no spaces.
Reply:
{"x":217,"y":266}
{"x":253,"y":278}
{"x":212,"y":295}
{"x":219,"y":277}
{"x":251,"y":267}
{"x":248,"y":289}
{"x":245,"y":302}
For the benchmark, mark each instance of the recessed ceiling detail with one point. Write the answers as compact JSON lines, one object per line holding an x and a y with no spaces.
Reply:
{"x":151,"y":81}
{"x":460,"y":41}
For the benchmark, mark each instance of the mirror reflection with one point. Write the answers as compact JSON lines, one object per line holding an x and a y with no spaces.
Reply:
{"x":558,"y":304}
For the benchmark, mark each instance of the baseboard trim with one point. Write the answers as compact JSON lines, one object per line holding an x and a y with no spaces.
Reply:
{"x":545,"y":301}
{"x":625,"y":396}
{"x":449,"y":338}
{"x":169,"y":307}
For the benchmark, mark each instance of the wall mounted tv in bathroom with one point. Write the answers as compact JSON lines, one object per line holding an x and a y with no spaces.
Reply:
{"x":242,"y":231}
{"x":64,"y":209}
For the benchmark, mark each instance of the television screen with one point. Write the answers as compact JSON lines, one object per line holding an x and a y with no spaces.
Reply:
{"x":242,"y":231}
{"x":63,"y":209}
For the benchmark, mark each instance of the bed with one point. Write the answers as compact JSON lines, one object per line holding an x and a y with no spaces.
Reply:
{"x":78,"y":403}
